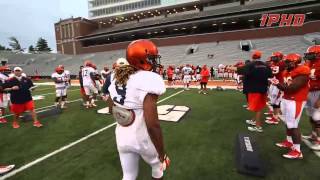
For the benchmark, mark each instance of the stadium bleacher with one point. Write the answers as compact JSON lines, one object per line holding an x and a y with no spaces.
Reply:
{"x":227,"y":52}
{"x":214,"y":11}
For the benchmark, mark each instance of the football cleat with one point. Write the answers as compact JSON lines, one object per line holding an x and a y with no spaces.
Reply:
{"x":255,"y":129}
{"x":310,"y":137}
{"x":268,"y":113}
{"x":293,"y":154}
{"x":285,"y":144}
{"x":15,"y":125}
{"x":272,"y":121}
{"x":3,"y":120}
{"x":315,"y":145}
{"x":251,"y":122}
{"x":5,"y":169}
{"x":37,"y":124}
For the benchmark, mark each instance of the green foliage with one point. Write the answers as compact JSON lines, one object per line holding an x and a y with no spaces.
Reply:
{"x":42,"y":45}
{"x":31,"y":48}
{"x":14,"y":44}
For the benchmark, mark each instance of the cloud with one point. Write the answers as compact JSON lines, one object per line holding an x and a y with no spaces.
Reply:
{"x":29,"y":20}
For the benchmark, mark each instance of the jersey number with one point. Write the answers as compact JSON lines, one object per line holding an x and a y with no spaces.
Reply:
{"x":121,"y":95}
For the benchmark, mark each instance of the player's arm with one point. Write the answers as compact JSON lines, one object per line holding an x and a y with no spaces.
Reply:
{"x":297,"y":83}
{"x":56,"y":80}
{"x":153,"y":123}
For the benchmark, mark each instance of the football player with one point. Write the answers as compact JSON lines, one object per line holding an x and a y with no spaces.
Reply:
{"x":312,"y":57}
{"x":4,"y":96}
{"x":134,"y":91}
{"x":82,"y":92}
{"x":198,"y":75}
{"x":60,"y":81}
{"x":104,"y":73}
{"x":89,"y":86}
{"x":277,"y":66}
{"x":295,"y":87}
{"x":205,"y":75}
{"x":186,"y":72}
{"x":170,"y":75}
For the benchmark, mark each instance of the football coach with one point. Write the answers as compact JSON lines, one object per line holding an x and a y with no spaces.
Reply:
{"x":257,"y":74}
{"x":20,"y":95}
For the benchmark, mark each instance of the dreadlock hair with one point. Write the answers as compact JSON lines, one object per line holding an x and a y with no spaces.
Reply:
{"x":123,"y":73}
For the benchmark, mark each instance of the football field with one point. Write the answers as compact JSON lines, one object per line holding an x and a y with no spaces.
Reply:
{"x":200,"y":146}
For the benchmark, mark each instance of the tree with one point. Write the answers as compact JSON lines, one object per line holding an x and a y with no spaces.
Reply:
{"x":14,"y":43}
{"x":42,"y":45}
{"x":31,"y":48}
{"x":2,"y":48}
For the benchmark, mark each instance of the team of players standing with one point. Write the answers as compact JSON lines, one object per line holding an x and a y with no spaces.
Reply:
{"x":293,"y":86}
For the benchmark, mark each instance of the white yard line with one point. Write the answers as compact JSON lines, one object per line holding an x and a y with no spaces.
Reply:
{"x":26,"y":166}
{"x":308,"y":143}
{"x":55,"y":92}
{"x":45,"y":107}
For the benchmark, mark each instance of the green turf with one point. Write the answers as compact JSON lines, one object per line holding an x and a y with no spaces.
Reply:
{"x":201,"y":146}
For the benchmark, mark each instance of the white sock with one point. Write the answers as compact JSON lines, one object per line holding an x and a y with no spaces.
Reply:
{"x":289,"y":138}
{"x":297,"y":147}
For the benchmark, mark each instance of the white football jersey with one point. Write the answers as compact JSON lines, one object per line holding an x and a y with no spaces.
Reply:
{"x":3,"y":77}
{"x":86,"y":77}
{"x":60,"y":77}
{"x":66,"y":74}
{"x":186,"y":70}
{"x":132,"y":96}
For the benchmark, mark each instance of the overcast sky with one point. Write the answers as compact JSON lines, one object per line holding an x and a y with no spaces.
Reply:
{"x":30,"y":19}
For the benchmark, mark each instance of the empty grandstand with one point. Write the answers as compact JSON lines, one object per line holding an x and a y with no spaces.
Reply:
{"x":79,"y":35}
{"x":226,"y":52}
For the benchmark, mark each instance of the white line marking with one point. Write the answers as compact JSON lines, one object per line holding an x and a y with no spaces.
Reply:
{"x":12,"y":173}
{"x":55,"y":92}
{"x":45,"y":107}
{"x":43,"y":89}
{"x":308,"y":143}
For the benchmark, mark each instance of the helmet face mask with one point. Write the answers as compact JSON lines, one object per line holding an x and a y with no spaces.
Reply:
{"x":292,"y":61}
{"x":154,"y":61}
{"x":275,"y":58}
{"x":311,"y":56}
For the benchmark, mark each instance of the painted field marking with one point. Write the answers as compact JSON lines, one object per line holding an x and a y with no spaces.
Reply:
{"x":26,"y":166}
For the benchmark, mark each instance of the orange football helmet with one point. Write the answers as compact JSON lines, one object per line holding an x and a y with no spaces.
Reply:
{"x":88,"y":63}
{"x":292,"y":60}
{"x":276,"y":56}
{"x":313,"y":53}
{"x":256,"y":54}
{"x":59,"y":70}
{"x":143,"y":54}
{"x":293,"y":57}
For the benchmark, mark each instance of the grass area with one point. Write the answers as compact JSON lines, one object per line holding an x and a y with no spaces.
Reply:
{"x":201,"y":146}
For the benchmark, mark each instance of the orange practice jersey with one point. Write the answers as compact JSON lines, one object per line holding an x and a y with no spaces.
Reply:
{"x":302,"y":93}
{"x":314,"y":75}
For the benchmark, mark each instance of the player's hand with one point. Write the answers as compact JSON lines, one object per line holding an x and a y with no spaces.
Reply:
{"x":317,"y":104}
{"x":165,"y":162}
{"x":105,"y":97}
{"x":274,"y":81}
{"x":15,"y":88}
